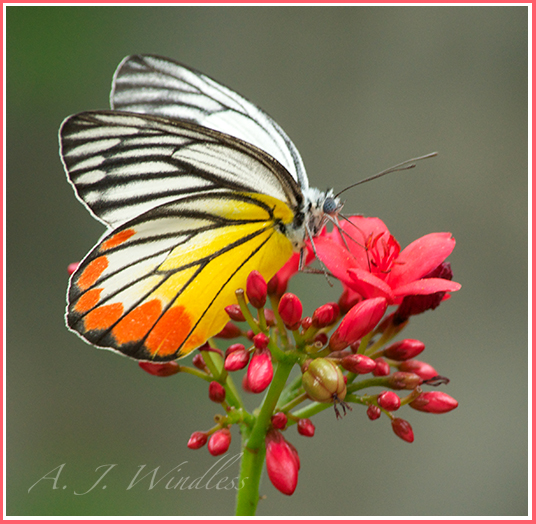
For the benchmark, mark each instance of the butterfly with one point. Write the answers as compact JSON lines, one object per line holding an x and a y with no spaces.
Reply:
{"x":197,"y":187}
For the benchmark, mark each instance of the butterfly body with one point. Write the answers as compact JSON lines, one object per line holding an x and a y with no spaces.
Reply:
{"x":197,"y":187}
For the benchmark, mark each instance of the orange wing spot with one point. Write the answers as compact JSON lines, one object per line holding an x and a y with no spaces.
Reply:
{"x":138,"y":322}
{"x":103,"y":317}
{"x":88,"y":300}
{"x":92,"y":272}
{"x":117,"y":239}
{"x":170,"y":332}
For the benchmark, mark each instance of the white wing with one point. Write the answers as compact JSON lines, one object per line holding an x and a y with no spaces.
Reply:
{"x":124,"y":164}
{"x":159,"y":86}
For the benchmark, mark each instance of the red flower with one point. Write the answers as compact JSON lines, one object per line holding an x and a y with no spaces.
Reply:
{"x":371,"y":264}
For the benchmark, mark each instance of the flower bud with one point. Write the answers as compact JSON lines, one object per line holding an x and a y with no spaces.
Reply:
{"x":321,"y":338}
{"x":256,"y":289}
{"x":72,"y":267}
{"x":325,"y":315}
{"x":348,"y":299}
{"x":373,"y":412}
{"x":269,"y":315}
{"x":277,"y":286}
{"x":207,"y":347}
{"x":359,"y":321}
{"x":404,"y":349}
{"x":323,"y":381}
{"x":382,"y":369}
{"x":219,"y":442}
{"x":237,"y":357}
{"x":290,"y":310}
{"x":404,"y":380}
{"x":197,"y":440}
{"x":359,"y":364}
{"x":424,"y":370}
{"x":230,"y":330}
{"x":434,"y":402}
{"x":245,"y":385}
{"x":160,"y":370}
{"x":235,"y":313}
{"x":306,"y":427}
{"x":199,"y":362}
{"x":282,"y":462}
{"x":402,"y":429}
{"x":389,"y":400}
{"x":279,"y":420}
{"x":216,"y":392}
{"x":260,"y":371}
{"x":260,"y":340}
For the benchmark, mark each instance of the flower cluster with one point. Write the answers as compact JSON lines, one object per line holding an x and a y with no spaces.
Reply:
{"x":342,"y":349}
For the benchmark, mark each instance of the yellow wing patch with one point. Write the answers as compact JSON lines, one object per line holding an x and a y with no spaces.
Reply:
{"x":157,"y":296}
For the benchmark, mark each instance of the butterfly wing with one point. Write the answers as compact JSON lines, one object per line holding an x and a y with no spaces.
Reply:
{"x":159,"y":86}
{"x":156,"y":287}
{"x":121,"y":165}
{"x":193,"y":212}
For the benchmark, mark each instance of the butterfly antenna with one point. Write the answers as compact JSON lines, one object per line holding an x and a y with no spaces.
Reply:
{"x":408,"y":164}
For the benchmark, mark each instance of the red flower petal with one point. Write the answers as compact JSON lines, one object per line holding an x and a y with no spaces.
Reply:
{"x":368,"y":285}
{"x":420,"y":257}
{"x":426,"y":286}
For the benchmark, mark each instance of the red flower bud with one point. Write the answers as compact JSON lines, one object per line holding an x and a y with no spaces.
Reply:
{"x":290,"y":310}
{"x":235,"y":313}
{"x":373,"y":412}
{"x":207,"y":347}
{"x":434,"y":402}
{"x":424,"y":370}
{"x":306,"y":323}
{"x":404,"y":349}
{"x":229,"y":331}
{"x":404,"y":380}
{"x":277,"y":286}
{"x":323,"y":381}
{"x":219,"y":442}
{"x":237,"y":357}
{"x":199,"y":362}
{"x":306,"y":427}
{"x":197,"y":440}
{"x":382,"y":369}
{"x":359,"y":321}
{"x":389,"y":400}
{"x":256,"y":289}
{"x":216,"y":392}
{"x":359,"y":364}
{"x":282,"y":462}
{"x":160,"y":370}
{"x":72,"y":267}
{"x":279,"y":420}
{"x":321,"y":338}
{"x":260,"y":340}
{"x":269,"y":315}
{"x":260,"y":371}
{"x":325,"y":315}
{"x":245,"y":385}
{"x":402,"y":429}
{"x":348,"y":300}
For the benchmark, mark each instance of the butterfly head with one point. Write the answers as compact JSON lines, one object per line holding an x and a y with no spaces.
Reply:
{"x":321,"y":207}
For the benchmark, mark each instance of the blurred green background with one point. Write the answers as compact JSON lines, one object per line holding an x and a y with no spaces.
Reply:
{"x":358,"y":89}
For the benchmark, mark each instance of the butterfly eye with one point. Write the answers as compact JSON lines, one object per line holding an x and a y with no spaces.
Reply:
{"x":329,"y":206}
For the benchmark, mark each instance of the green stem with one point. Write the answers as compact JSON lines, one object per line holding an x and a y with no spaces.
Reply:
{"x":247,"y":497}
{"x":253,"y":444}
